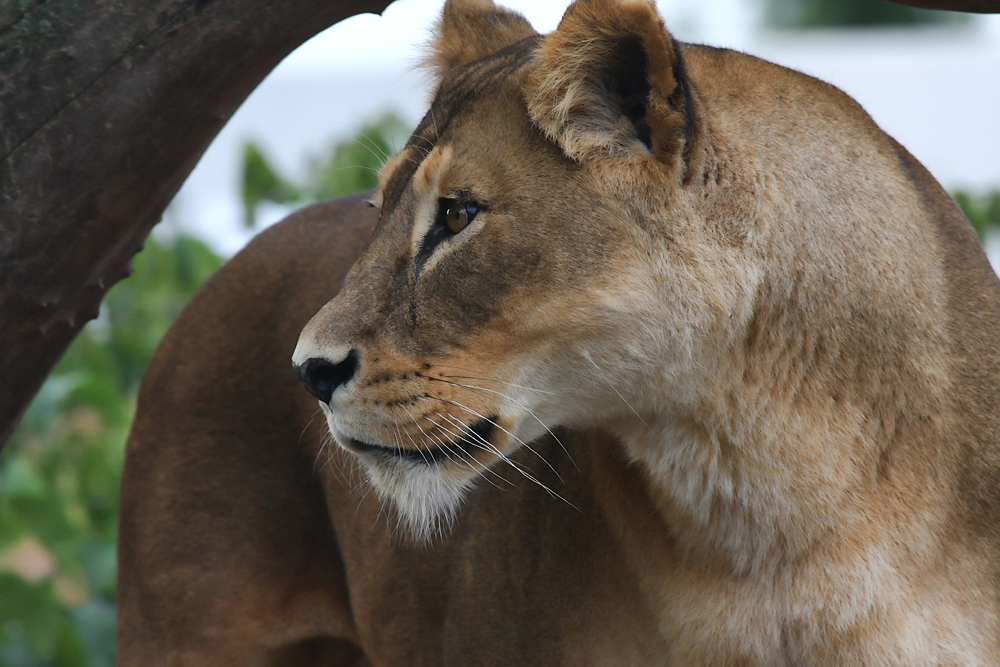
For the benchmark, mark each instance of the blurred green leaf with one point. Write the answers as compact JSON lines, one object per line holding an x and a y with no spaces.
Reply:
{"x":982,"y":211}
{"x":351,"y":166}
{"x":30,"y":612}
{"x":22,"y":481}
{"x":798,"y":14}
{"x":69,"y":650}
{"x":96,"y":626}
{"x":261,"y":182}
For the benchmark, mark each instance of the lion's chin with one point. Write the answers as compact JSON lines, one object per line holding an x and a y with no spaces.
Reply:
{"x":425,"y":487}
{"x":426,"y":499}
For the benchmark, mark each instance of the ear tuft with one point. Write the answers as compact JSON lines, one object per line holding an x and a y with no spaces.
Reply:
{"x":469,"y":30}
{"x":610,"y":81}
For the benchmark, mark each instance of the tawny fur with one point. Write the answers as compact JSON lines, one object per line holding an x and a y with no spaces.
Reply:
{"x":737,"y":353}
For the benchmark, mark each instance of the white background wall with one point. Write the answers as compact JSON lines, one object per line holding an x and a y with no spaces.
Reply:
{"x":936,"y":90}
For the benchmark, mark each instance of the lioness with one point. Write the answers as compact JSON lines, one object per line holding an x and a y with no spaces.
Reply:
{"x":659,"y":354}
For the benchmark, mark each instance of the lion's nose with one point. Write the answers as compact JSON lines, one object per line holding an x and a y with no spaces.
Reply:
{"x":322,"y":377}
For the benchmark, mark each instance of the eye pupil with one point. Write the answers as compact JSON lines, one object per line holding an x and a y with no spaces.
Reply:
{"x":459,"y":215}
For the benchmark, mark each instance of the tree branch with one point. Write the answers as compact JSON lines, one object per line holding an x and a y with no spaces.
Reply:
{"x":104,"y":110}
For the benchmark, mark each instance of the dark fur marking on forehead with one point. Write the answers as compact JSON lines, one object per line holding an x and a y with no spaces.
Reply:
{"x":455,"y":92}
{"x":684,"y":84}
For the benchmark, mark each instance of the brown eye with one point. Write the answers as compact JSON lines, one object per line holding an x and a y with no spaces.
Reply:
{"x":459,"y":214}
{"x":453,"y":216}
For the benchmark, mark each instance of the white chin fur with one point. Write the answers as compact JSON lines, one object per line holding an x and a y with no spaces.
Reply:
{"x":426,"y":500}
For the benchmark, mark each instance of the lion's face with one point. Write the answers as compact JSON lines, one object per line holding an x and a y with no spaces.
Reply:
{"x":536,"y":253}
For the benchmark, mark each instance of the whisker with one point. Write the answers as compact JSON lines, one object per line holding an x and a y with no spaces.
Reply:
{"x":586,"y":355}
{"x":444,"y":446}
{"x":493,"y":448}
{"x":371,"y":146}
{"x":421,"y":150}
{"x":482,"y":468}
{"x":326,"y":445}
{"x":523,"y":407}
{"x":424,"y":138}
{"x":417,"y":424}
{"x":523,"y":443}
{"x":308,"y":424}
{"x":394,"y":145}
{"x":473,"y":377}
{"x":381,"y":510}
{"x":486,"y":446}
{"x":355,"y":166}
{"x":345,"y":477}
{"x":319,"y":450}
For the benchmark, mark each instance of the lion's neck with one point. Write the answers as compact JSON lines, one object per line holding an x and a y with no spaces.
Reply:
{"x":705,"y":492}
{"x":835,"y":549}
{"x":752,"y":487}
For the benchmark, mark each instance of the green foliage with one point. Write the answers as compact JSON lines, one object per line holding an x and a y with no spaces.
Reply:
{"x":982,"y":211}
{"x":260,"y":183}
{"x":850,"y":13}
{"x":351,"y":166}
{"x":61,"y":472}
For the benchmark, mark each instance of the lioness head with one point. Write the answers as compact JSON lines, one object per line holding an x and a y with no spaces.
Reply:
{"x":606,"y":228}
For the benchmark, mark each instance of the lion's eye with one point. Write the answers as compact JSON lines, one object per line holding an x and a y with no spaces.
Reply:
{"x":456,"y":215}
{"x":453,"y":216}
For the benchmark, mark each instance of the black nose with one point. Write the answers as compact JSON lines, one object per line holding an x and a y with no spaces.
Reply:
{"x":322,"y":377}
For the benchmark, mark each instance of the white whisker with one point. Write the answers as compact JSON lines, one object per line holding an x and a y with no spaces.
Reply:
{"x":523,"y":407}
{"x":417,"y":424}
{"x":586,"y":356}
{"x":523,"y":443}
{"x":484,"y":379}
{"x":482,"y":468}
{"x":494,"y":449}
{"x":371,"y":146}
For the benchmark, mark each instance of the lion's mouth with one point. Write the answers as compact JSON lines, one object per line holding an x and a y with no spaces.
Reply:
{"x":477,"y":437}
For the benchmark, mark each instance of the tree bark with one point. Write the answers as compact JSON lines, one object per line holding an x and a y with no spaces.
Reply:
{"x":105,"y":107}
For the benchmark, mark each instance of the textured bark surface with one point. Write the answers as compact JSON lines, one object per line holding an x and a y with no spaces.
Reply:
{"x":105,"y":107}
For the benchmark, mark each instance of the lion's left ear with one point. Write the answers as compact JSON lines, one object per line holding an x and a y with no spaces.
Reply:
{"x":611,"y":81}
{"x":469,"y":30}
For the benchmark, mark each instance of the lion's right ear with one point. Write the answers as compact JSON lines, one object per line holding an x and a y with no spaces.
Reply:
{"x":611,"y":82}
{"x":469,"y":30}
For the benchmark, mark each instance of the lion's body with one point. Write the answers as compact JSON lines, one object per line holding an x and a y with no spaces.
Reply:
{"x":713,"y":383}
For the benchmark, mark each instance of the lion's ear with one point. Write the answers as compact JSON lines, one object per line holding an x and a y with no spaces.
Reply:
{"x":611,"y":81}
{"x":472,"y":29}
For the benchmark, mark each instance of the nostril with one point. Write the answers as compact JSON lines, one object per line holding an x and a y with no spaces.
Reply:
{"x":322,"y":377}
